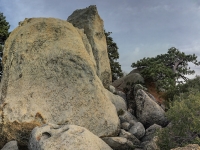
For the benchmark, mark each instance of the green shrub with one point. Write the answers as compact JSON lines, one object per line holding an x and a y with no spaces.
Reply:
{"x":184,"y":114}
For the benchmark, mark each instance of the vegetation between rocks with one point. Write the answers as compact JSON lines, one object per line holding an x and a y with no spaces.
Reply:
{"x":184,"y":116}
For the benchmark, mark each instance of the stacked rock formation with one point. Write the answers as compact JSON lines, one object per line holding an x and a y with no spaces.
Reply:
{"x":54,"y":95}
{"x":51,"y":75}
{"x":89,"y":20}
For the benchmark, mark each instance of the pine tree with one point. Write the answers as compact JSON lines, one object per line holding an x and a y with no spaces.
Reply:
{"x":166,"y":69}
{"x":4,"y":33}
{"x":4,"y":27}
{"x":113,"y":56}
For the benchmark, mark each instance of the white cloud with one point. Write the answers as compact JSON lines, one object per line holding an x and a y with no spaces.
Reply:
{"x":136,"y":50}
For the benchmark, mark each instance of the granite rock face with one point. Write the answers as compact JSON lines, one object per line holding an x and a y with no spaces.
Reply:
{"x":68,"y":137}
{"x":149,"y":112}
{"x":89,"y":20}
{"x":50,"y":77}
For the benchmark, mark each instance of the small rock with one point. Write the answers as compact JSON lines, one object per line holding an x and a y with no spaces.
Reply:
{"x":150,"y":132}
{"x":138,"y":130}
{"x":118,"y":101}
{"x":133,"y":122}
{"x":112,"y":89}
{"x":126,"y":117}
{"x":150,"y":145}
{"x":122,"y":94}
{"x":12,"y":145}
{"x":126,"y":126}
{"x":129,"y":137}
{"x":118,"y":143}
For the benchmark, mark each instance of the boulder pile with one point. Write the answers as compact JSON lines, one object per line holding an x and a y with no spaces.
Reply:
{"x":52,"y":74}
{"x":56,"y":90}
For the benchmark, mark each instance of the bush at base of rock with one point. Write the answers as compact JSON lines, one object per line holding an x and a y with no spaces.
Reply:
{"x":188,"y":147}
{"x":185,"y":123}
{"x":151,"y":132}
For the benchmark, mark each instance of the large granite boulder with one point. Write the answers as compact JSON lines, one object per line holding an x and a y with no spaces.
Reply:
{"x":121,"y":83}
{"x":89,"y":20}
{"x":50,"y":77}
{"x":148,"y":112}
{"x":68,"y":137}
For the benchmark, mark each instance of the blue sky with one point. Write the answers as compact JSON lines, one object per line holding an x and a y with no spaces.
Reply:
{"x":141,"y":28}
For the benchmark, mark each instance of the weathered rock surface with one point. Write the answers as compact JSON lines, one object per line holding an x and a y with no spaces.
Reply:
{"x":118,"y":143}
{"x":67,"y":137}
{"x":188,"y":147}
{"x":50,"y":77}
{"x":148,"y":112}
{"x":118,"y":101}
{"x":126,"y":126}
{"x":89,"y":20}
{"x":150,"y":145}
{"x":12,"y":145}
{"x":112,"y":89}
{"x":137,"y":130}
{"x":126,"y":117}
{"x":129,"y":137}
{"x":121,"y":83}
{"x":122,"y":94}
{"x":150,"y":132}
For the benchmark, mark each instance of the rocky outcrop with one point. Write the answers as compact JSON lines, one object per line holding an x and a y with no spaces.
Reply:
{"x":89,"y":20}
{"x":68,"y":137}
{"x":50,"y":77}
{"x":121,"y":83}
{"x":148,"y":112}
{"x":188,"y":147}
